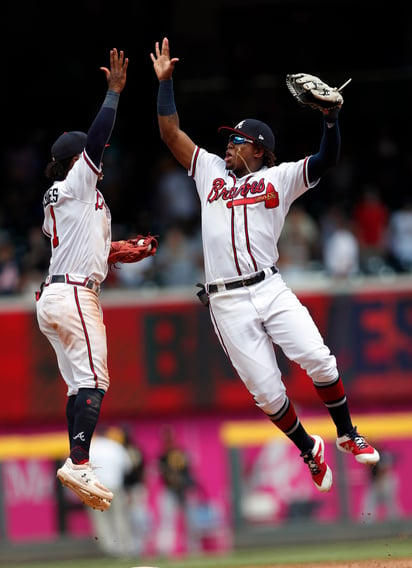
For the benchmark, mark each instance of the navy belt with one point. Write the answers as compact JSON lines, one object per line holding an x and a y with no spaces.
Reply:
{"x":212,"y":288}
{"x":65,"y":279}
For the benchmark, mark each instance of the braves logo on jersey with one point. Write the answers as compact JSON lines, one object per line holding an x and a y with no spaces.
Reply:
{"x":245,"y":194}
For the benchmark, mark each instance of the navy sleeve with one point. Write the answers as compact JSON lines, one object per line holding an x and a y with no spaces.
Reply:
{"x":101,"y":129}
{"x":329,"y":150}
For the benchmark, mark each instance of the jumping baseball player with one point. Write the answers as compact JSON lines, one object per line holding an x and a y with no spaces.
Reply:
{"x":78,"y":223}
{"x":244,"y":200}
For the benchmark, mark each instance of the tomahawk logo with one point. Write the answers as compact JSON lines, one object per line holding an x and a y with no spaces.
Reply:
{"x":80,"y":436}
{"x":270,"y":198}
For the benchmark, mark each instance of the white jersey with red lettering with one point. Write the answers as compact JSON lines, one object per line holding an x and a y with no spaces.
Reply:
{"x":241,"y":223}
{"x":242,"y":218}
{"x":78,"y":223}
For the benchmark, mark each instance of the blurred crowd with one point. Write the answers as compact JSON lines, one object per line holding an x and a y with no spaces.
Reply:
{"x":160,"y":507}
{"x":357,"y":221}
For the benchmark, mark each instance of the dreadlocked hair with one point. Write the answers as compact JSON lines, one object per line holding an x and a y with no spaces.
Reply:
{"x":57,"y":170}
{"x":269,"y":159}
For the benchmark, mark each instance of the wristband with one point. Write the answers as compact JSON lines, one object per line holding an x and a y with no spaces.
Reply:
{"x":111,"y":99}
{"x":165,"y":98}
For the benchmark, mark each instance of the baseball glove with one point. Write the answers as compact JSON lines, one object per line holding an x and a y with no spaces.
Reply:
{"x":132,"y":250}
{"x":312,"y":92}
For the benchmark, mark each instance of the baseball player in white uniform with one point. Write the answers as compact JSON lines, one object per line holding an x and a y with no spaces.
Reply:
{"x":244,"y":200}
{"x":78,"y":223}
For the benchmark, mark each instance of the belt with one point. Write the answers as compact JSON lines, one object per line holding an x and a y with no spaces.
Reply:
{"x":65,"y":279}
{"x":212,"y":288}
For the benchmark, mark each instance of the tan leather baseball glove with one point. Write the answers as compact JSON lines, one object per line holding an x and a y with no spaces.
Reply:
{"x":311,"y":91}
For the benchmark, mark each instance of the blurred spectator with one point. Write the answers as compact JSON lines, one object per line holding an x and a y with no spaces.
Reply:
{"x":135,"y":274}
{"x":389,"y":164}
{"x":341,"y":248}
{"x":179,"y":259}
{"x":137,"y":496}
{"x":382,"y":498}
{"x":20,"y":194}
{"x":329,"y":221}
{"x":174,"y":499}
{"x":299,"y":243}
{"x":113,"y":529}
{"x":9,"y":266}
{"x":35,"y":260}
{"x":400,"y":238}
{"x":340,"y":180}
{"x":175,"y":201}
{"x":371,"y":218}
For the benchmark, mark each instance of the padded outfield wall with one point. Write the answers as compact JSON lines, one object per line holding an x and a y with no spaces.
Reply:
{"x":164,"y":357}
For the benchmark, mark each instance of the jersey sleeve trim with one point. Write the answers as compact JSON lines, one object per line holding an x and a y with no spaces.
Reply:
{"x":92,"y":166}
{"x":305,"y":172}
{"x":192,"y":170}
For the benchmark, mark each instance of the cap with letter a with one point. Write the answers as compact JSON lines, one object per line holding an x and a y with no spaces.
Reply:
{"x":254,"y":130}
{"x":68,"y":144}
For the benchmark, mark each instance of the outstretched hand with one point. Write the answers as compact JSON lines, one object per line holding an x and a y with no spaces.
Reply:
{"x":162,"y":64}
{"x":116,"y":76}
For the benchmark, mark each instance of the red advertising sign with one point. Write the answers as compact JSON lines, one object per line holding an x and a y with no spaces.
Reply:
{"x":164,"y":357}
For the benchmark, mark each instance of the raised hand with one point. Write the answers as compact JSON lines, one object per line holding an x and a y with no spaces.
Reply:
{"x":116,"y":76}
{"x":162,"y":64}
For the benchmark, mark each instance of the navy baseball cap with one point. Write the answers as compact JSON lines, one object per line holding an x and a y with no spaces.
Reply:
{"x":254,"y":130}
{"x":68,"y":144}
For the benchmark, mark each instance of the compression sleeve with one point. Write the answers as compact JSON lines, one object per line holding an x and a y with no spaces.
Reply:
{"x":165,"y":98}
{"x":101,"y":128}
{"x":329,"y":150}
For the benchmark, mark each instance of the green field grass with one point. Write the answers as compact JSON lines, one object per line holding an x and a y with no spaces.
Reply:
{"x":264,"y":557}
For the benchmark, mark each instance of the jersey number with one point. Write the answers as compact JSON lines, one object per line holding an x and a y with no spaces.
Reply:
{"x":55,"y":238}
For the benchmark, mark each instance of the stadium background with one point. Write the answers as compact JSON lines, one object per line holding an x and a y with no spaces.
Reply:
{"x":234,"y":57}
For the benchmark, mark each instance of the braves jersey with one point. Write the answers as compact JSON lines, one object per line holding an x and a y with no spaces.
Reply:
{"x":242,"y":218}
{"x":78,"y":223}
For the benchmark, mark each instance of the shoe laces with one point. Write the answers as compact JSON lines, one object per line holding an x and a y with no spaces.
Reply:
{"x":89,"y":474}
{"x":311,"y":462}
{"x":359,"y":440}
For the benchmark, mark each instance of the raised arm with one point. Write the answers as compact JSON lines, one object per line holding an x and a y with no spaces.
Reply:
{"x":178,"y":142}
{"x":329,"y":151}
{"x":100,"y":131}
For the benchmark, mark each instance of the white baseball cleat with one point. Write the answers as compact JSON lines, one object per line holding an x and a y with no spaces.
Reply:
{"x":82,"y":480}
{"x":355,"y":444}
